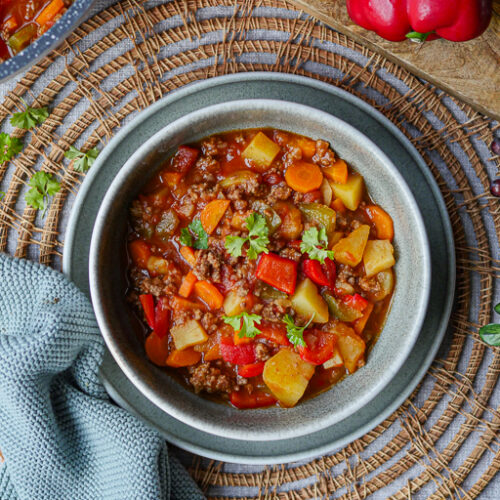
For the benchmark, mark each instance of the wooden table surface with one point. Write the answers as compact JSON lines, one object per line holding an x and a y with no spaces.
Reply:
{"x":469,"y":71}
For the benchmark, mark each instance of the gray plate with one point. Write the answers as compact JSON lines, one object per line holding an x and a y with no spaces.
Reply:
{"x":411,"y":166}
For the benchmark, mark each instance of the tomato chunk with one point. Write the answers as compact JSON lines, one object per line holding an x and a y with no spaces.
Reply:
{"x":319,"y":346}
{"x":257,"y":399}
{"x":279,"y":272}
{"x":184,"y":159}
{"x":273,"y":332}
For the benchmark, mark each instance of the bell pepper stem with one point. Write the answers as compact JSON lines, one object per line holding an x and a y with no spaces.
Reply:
{"x":415,"y":36}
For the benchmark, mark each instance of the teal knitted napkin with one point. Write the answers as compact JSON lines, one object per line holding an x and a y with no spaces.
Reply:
{"x":60,"y":435}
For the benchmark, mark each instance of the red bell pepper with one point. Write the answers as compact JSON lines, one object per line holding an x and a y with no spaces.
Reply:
{"x":319,"y":346}
{"x":184,"y":159}
{"x":241,"y":399}
{"x":396,"y":20}
{"x":355,"y":302}
{"x":279,"y":272}
{"x":148,"y":304}
{"x":313,"y":270}
{"x":251,"y":370}
{"x":241,"y":354}
{"x":162,"y":317}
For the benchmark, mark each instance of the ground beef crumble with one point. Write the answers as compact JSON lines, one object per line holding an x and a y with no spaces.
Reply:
{"x":208,"y":265}
{"x":210,"y":379}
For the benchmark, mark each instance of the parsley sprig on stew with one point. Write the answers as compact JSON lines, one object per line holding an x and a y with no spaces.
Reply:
{"x":294,"y":332}
{"x":258,"y":238}
{"x":245,"y":323}
{"x":315,"y":244}
{"x":194,"y":236}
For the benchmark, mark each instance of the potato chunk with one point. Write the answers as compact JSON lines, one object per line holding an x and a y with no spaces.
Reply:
{"x":349,"y":250}
{"x":307,"y":302}
{"x":188,"y":334}
{"x":335,"y":361}
{"x":351,"y":192}
{"x":378,"y":256}
{"x":287,"y":375}
{"x":261,"y":150}
{"x":352,"y":349}
{"x":233,"y":304}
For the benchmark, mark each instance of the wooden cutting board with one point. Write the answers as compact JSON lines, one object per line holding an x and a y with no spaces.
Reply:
{"x":469,"y":71}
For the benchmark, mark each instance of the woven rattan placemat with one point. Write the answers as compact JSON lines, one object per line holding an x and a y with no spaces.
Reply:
{"x":443,"y":442}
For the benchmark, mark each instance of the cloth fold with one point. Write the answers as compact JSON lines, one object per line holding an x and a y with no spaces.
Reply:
{"x":60,"y":435}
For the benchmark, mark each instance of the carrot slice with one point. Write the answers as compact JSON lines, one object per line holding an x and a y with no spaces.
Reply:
{"x":303,"y":177}
{"x":157,"y":348}
{"x":186,"y":357}
{"x":189,"y":256}
{"x":140,"y":253}
{"x":172,"y":179}
{"x":337,"y":172}
{"x":213,"y":353}
{"x":209,"y":294}
{"x":360,"y":323}
{"x":50,"y":12}
{"x":211,"y":215}
{"x":338,"y":205}
{"x":241,"y":340}
{"x":382,"y":222}
{"x":181,"y":304}
{"x":307,"y":146}
{"x":187,"y":285}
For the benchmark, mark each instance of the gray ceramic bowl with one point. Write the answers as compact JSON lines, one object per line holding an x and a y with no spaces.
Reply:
{"x":47,"y":42}
{"x":413,"y":271}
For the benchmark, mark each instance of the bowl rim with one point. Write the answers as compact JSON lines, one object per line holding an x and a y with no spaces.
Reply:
{"x":100,"y":226}
{"x":49,"y":41}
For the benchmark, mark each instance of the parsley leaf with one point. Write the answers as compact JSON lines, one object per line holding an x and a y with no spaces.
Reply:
{"x":81,"y":161}
{"x":30,"y":117}
{"x":234,"y":245}
{"x":314,"y":243}
{"x":245,"y":323}
{"x":295,"y":333}
{"x":186,"y":239}
{"x":2,"y":194}
{"x":258,"y":238}
{"x":43,"y":185}
{"x":201,"y":236}
{"x":9,"y":147}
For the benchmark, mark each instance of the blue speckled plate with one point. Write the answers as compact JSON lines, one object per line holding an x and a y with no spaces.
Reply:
{"x":50,"y":40}
{"x":411,"y":166}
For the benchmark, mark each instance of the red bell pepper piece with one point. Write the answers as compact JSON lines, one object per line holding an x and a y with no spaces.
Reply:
{"x":279,"y":272}
{"x":241,"y":399}
{"x":273,"y":332}
{"x":251,"y":370}
{"x":148,"y":304}
{"x":162,"y":317}
{"x":184,"y":159}
{"x":319,"y":346}
{"x":355,"y":301}
{"x":241,"y":354}
{"x":397,"y":20}
{"x":331,"y":272}
{"x":312,"y":269}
